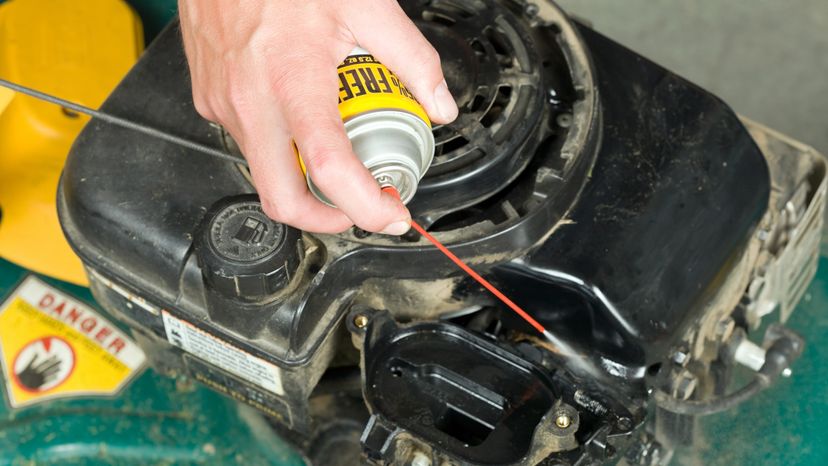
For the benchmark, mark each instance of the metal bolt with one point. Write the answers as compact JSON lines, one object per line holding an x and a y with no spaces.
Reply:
{"x":361,"y":321}
{"x":531,"y":10}
{"x":685,"y":385}
{"x":563,"y":421}
{"x":624,"y":424}
{"x":360,"y":233}
{"x":645,"y":452}
{"x":787,"y":372}
{"x":680,"y":358}
{"x":420,"y":459}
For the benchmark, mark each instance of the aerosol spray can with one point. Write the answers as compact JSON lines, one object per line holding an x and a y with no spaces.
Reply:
{"x":389,"y":130}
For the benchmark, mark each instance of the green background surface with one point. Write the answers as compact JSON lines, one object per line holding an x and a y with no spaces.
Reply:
{"x":158,"y":420}
{"x":788,"y":423}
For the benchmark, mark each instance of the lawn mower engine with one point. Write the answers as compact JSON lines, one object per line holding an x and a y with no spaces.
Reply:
{"x":642,"y":222}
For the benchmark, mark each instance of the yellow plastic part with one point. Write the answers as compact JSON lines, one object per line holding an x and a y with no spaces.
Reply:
{"x":75,"y":49}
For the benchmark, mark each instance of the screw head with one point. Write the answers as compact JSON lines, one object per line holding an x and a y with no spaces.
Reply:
{"x":624,"y":424}
{"x":564,"y":120}
{"x":361,"y":321}
{"x":563,"y":421}
{"x":420,"y":459}
{"x":680,"y":358}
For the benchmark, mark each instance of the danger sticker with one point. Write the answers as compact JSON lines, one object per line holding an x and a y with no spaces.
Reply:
{"x":53,"y":346}
{"x":222,"y":354}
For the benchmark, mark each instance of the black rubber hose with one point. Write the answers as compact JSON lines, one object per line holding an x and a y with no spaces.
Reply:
{"x":782,"y":353}
{"x":716,"y":405}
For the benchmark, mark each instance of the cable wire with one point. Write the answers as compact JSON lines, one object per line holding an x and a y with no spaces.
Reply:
{"x":465,"y":267}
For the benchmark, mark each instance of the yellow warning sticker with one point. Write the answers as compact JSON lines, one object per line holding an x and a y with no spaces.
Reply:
{"x":53,"y":346}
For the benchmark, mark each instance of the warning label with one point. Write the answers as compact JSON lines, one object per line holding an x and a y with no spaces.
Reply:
{"x":43,"y":364}
{"x":53,"y":346}
{"x":222,"y":354}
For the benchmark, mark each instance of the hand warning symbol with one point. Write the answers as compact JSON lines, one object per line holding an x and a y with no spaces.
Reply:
{"x":36,"y":374}
{"x":43,"y":364}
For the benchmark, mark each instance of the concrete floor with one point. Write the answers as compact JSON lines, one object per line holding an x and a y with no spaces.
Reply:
{"x":767,"y":58}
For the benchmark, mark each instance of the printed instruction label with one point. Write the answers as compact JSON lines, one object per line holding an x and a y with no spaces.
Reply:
{"x":222,"y":354}
{"x":54,"y":346}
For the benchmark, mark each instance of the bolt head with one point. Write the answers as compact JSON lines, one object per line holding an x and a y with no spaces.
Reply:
{"x":361,"y":321}
{"x":420,"y":459}
{"x":686,"y":385}
{"x":563,"y":421}
{"x":680,"y":358}
{"x":624,"y":424}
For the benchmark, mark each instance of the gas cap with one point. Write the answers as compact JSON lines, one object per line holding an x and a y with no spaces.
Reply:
{"x":243,"y":253}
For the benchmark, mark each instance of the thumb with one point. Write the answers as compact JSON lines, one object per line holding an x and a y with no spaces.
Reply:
{"x":394,"y":39}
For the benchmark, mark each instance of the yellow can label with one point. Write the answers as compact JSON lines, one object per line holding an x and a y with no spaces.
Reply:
{"x":367,"y":85}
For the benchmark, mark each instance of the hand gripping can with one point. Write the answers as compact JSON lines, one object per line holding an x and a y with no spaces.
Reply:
{"x":389,"y":131}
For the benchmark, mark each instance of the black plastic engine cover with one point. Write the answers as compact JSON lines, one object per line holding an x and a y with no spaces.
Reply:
{"x":614,"y":260}
{"x":677,"y":189}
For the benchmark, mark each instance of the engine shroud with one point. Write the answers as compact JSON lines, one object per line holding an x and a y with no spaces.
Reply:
{"x":603,"y":193}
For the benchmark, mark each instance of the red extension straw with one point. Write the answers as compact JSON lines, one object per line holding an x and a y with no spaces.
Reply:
{"x":502,"y":297}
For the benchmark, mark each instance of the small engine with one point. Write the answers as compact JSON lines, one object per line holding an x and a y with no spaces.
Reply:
{"x":649,"y":228}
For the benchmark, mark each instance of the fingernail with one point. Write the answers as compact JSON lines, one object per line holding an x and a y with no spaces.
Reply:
{"x":396,"y":229}
{"x":446,"y":106}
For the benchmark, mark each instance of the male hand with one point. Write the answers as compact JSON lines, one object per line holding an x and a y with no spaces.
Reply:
{"x":266,"y":71}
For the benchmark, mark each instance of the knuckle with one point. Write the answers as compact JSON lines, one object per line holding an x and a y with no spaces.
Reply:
{"x":319,"y":160}
{"x":283,"y":212}
{"x":203,"y":107}
{"x":292,"y":95}
{"x":233,"y":95}
{"x":427,"y":57}
{"x":303,"y":74}
{"x":271,"y":208}
{"x":280,"y":84}
{"x":237,"y":96}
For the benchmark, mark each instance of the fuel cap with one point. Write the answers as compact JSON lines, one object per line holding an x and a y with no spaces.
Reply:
{"x":245,"y":254}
